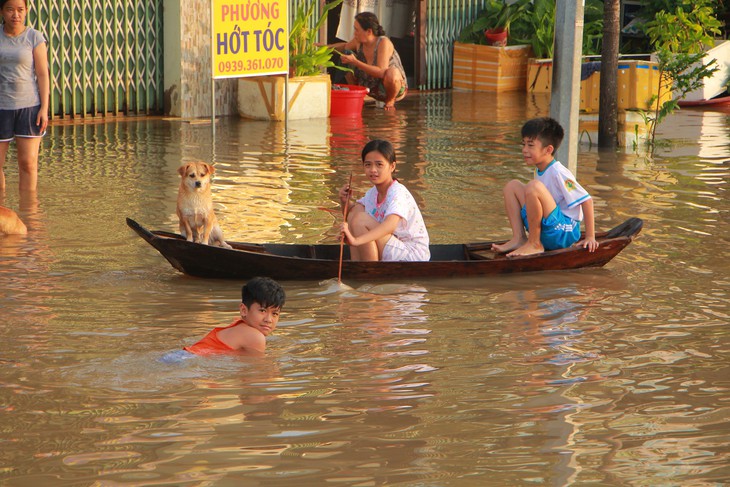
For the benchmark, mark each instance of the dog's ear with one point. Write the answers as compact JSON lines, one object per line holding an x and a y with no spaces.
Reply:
{"x":210,"y":168}
{"x":181,"y":169}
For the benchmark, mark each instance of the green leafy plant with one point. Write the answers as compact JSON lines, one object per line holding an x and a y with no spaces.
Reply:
{"x":306,"y":58}
{"x":680,"y":38}
{"x":533,"y":23}
{"x":592,"y":27}
{"x":650,"y":8}
{"x":497,"y":14}
{"x":537,"y":28}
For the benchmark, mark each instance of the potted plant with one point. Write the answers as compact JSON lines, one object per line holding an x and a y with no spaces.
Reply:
{"x":492,"y":25}
{"x":497,"y":34}
{"x":309,"y":86}
{"x":485,"y":56}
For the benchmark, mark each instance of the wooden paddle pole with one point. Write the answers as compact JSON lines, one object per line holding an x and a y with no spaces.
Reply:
{"x":342,"y":237}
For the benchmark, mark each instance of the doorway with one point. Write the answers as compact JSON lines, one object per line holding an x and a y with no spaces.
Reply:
{"x":403,"y":23}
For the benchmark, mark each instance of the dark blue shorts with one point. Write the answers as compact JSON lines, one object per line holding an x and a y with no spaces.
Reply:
{"x":19,"y":123}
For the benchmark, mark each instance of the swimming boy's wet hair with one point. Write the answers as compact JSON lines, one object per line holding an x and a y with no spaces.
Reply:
{"x":369,"y":20}
{"x":267,"y":292}
{"x":547,"y":130}
{"x":382,"y":146}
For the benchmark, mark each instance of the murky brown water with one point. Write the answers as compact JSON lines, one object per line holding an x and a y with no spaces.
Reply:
{"x":612,"y":376}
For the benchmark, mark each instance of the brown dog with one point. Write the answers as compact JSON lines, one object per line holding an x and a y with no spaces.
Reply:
{"x":195,"y":205}
{"x":10,"y":223}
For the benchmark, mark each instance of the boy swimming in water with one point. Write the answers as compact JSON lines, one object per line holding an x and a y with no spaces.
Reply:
{"x":261,"y":302}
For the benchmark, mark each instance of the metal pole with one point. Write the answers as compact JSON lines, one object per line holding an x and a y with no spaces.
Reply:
{"x":286,"y":86}
{"x":117,"y":76}
{"x":565,"y":94}
{"x":286,"y":104}
{"x":212,"y":78}
{"x":212,"y":107}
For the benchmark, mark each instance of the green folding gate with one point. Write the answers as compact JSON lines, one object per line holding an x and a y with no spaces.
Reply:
{"x":105,"y":57}
{"x":445,"y":19}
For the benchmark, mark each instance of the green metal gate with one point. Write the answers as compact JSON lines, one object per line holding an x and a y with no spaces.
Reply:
{"x":445,"y":19}
{"x":105,"y":57}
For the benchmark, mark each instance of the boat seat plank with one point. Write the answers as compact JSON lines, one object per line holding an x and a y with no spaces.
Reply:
{"x":481,"y":255}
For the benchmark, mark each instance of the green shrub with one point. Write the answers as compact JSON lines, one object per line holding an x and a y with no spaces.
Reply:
{"x":306,"y":58}
{"x":680,"y":38}
{"x":533,"y":23}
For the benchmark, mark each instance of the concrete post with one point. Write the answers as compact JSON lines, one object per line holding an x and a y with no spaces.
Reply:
{"x":565,"y":95}
{"x":172,"y":70}
{"x":187,"y":71}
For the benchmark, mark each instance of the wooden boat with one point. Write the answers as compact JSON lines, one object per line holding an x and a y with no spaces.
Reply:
{"x":317,"y":262}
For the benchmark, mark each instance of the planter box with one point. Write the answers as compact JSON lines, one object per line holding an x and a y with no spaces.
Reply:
{"x":637,"y":82}
{"x":633,"y":131}
{"x":540,"y":80}
{"x":262,"y":97}
{"x":590,"y":92}
{"x":539,"y":75}
{"x":490,"y":68}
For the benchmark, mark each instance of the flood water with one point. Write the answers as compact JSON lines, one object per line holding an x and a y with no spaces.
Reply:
{"x":610,"y":376}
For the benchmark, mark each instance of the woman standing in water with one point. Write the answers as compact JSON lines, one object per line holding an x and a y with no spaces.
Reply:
{"x":24,"y":91}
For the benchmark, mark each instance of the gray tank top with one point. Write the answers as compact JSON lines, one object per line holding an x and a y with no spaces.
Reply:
{"x":18,"y":84}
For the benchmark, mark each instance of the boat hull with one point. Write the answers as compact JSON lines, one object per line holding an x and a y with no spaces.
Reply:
{"x":317,"y":262}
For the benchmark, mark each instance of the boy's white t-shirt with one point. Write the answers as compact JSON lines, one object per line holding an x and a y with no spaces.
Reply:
{"x":399,"y":201}
{"x":564,"y":188}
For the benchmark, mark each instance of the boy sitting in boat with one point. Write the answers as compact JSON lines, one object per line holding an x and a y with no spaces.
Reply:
{"x":552,"y":205}
{"x":261,"y":302}
{"x":386,"y":223}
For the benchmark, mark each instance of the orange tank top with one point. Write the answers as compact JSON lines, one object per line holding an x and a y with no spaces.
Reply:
{"x":211,"y":344}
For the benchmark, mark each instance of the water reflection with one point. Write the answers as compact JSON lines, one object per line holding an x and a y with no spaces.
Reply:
{"x":612,"y":375}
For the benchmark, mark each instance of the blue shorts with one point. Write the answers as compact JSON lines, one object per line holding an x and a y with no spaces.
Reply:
{"x":558,"y":231}
{"x":19,"y":123}
{"x":176,"y":357}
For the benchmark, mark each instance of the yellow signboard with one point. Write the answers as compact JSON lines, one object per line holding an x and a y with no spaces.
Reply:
{"x":250,"y":38}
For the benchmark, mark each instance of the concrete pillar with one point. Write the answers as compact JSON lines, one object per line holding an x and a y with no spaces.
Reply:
{"x":565,"y":95}
{"x":187,"y":70}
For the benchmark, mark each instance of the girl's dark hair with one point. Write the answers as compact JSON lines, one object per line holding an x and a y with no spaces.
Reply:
{"x":369,"y":20}
{"x":267,"y":292}
{"x":382,"y":146}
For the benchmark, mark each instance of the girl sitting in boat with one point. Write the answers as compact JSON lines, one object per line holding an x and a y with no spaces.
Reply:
{"x":386,"y":223}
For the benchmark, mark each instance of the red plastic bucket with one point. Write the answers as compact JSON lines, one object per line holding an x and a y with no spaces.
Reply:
{"x":347,"y":100}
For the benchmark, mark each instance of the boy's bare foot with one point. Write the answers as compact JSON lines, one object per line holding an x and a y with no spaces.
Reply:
{"x":527,"y":249}
{"x":509,"y":246}
{"x":389,"y":107}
